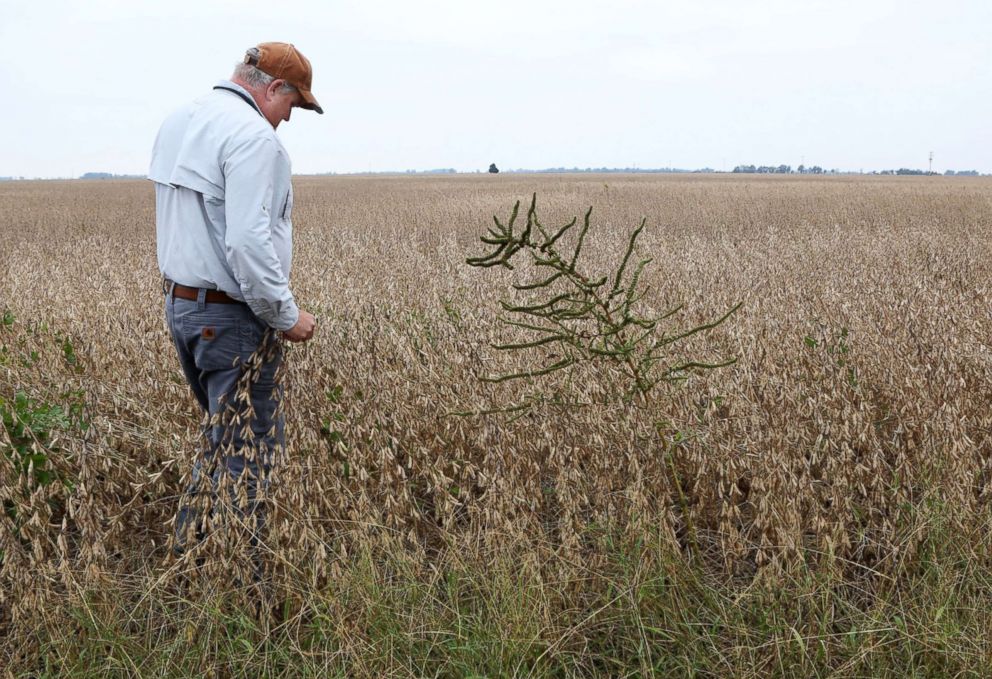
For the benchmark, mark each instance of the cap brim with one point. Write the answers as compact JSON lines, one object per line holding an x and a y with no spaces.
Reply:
{"x":309,"y":102}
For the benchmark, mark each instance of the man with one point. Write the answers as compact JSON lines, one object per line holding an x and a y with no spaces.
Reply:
{"x":223,"y":205}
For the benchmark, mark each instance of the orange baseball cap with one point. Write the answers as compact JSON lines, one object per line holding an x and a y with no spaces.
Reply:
{"x":284,"y":62}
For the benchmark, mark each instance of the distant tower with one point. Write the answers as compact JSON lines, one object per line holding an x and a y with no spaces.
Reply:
{"x":930,"y":171}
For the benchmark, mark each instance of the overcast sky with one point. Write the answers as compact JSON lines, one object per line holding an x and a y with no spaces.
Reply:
{"x":847,"y":84}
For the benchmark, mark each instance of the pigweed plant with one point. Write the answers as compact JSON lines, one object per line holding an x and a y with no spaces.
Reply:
{"x":587,"y":317}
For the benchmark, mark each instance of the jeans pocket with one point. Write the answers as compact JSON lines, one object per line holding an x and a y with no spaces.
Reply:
{"x":217,"y":343}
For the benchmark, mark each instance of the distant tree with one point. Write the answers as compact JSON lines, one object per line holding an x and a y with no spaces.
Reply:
{"x":784,"y":169}
{"x":493,"y":169}
{"x":801,"y":169}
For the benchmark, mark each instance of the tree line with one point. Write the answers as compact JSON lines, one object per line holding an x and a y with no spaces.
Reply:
{"x":816,"y":169}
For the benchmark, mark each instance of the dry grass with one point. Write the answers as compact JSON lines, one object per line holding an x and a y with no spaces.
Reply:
{"x":852,"y":435}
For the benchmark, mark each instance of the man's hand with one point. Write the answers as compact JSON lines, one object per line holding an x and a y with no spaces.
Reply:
{"x":303,"y":330}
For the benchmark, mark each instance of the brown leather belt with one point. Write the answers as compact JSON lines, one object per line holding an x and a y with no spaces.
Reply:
{"x":186,"y":292}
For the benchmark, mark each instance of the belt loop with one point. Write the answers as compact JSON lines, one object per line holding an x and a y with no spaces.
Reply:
{"x":201,"y":299}
{"x":168,"y":288}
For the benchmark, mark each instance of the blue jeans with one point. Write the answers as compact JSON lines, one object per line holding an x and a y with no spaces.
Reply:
{"x":230,"y":359}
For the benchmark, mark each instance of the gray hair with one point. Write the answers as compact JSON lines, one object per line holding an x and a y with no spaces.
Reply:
{"x":255,"y":78}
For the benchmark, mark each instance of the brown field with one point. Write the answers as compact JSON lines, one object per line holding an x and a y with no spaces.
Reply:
{"x":854,"y":424}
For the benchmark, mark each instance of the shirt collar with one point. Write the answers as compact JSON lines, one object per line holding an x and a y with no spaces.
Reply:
{"x":238,"y":89}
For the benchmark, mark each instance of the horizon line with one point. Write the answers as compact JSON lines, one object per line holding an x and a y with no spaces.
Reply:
{"x":813,"y":170}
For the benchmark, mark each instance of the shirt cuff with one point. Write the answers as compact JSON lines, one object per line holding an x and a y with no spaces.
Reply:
{"x":282,"y":315}
{"x":287,"y":318}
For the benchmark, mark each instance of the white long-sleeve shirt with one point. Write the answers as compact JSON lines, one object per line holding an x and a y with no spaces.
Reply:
{"x":224,"y":198}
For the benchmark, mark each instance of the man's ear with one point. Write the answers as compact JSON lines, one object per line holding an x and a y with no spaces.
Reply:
{"x":273,"y":88}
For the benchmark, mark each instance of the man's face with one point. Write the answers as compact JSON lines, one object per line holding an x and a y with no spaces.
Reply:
{"x":279,"y":104}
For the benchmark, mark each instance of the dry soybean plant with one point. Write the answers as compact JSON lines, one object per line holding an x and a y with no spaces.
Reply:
{"x":226,"y":513}
{"x":852,"y":428}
